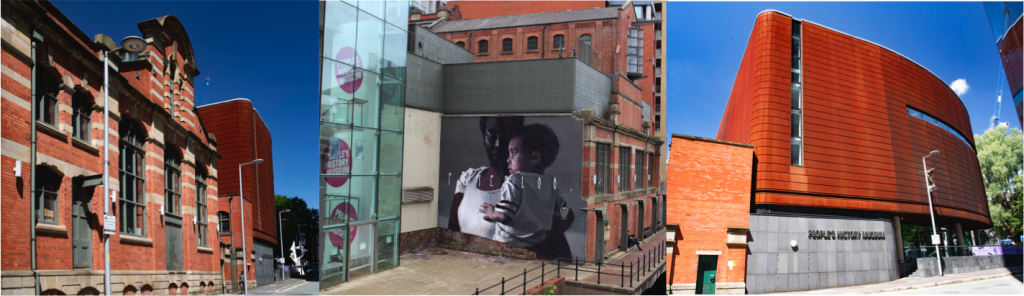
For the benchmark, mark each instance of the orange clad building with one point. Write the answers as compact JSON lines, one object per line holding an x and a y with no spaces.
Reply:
{"x":840,"y":128}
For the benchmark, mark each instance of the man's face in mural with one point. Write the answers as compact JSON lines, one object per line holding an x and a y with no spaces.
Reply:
{"x":496,"y":143}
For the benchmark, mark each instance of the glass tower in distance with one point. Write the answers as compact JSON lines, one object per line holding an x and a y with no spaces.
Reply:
{"x":363,"y":48}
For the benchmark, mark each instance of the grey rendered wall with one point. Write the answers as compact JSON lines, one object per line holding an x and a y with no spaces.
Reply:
{"x":773,"y":266}
{"x":423,"y":83}
{"x":950,"y":265}
{"x":524,"y":86}
{"x":593,"y":89}
{"x":432,"y":47}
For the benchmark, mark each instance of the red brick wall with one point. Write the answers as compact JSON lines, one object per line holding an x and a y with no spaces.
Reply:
{"x":55,"y":251}
{"x":482,"y":9}
{"x":708,"y":190}
{"x":861,"y":149}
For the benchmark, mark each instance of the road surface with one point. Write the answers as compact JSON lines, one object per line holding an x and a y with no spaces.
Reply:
{"x":1004,"y":285}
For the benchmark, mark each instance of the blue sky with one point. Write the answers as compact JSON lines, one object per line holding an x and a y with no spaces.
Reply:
{"x":261,"y":50}
{"x":706,"y":43}
{"x":267,"y":52}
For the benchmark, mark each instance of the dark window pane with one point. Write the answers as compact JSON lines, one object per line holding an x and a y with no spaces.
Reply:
{"x":506,"y":45}
{"x":531,"y":43}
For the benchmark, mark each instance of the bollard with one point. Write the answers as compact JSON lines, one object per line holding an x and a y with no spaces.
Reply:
{"x":502,"y":285}
{"x":622,"y":276}
{"x":644,"y":266}
{"x":598,"y":272}
{"x":638,"y":268}
{"x":524,"y":281}
{"x":577,"y":268}
{"x":631,"y":274}
{"x":477,"y":291}
{"x":559,"y":272}
{"x":542,"y":273}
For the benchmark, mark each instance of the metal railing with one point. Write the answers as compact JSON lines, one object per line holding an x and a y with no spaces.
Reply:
{"x":585,"y":52}
{"x":911,"y":253}
{"x":639,"y":268}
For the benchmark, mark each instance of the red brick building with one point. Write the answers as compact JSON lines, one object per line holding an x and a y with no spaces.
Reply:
{"x":244,"y":137}
{"x":163,"y":169}
{"x":709,"y":186}
{"x":621,"y":154}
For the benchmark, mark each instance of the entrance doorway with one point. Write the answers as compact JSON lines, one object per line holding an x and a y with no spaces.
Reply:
{"x":706,"y":268}
{"x":175,"y":255}
{"x":81,"y":213}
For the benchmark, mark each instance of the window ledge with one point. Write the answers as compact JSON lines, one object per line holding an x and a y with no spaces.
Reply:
{"x":51,"y":229}
{"x":205,"y":250}
{"x":131,"y":239}
{"x":532,"y":50}
{"x":507,"y":52}
{"x":483,"y":53}
{"x":49,"y":129}
{"x":85,"y":146}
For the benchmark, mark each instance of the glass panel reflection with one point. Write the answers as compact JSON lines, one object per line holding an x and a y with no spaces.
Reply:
{"x":339,"y":39}
{"x":391,"y":146}
{"x":361,"y":250}
{"x":370,"y":44}
{"x":392,"y":113}
{"x":387,"y":244}
{"x":353,"y":200}
{"x":389,"y":197}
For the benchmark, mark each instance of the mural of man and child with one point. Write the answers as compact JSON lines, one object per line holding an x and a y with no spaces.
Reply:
{"x":515,"y":198}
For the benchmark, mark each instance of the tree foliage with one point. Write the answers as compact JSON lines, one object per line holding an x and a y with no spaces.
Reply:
{"x":1001,"y":158}
{"x":301,"y":219}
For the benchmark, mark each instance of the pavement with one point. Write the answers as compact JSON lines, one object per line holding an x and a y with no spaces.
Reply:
{"x":292,"y":286}
{"x":912,"y":283}
{"x":1004,"y":285}
{"x":440,"y":271}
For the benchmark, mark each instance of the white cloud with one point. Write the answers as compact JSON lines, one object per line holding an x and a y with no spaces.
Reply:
{"x":959,"y":86}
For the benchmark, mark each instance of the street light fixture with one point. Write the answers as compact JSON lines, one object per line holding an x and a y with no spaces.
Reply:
{"x":130,"y":44}
{"x":241,"y":206}
{"x":929,"y":186}
{"x":280,"y":234}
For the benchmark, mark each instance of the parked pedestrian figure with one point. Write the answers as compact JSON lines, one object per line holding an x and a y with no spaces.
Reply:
{"x":636,"y":241}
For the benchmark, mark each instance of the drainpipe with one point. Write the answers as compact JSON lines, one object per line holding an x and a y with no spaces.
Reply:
{"x":543,"y":39}
{"x":231,"y":246}
{"x":469,"y":46}
{"x":36,"y":38}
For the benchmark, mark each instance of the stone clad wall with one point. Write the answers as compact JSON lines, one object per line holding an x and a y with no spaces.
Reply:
{"x":926,"y":266}
{"x":773,"y":266}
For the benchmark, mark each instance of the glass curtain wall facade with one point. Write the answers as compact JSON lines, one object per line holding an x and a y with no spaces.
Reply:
{"x":362,"y":109}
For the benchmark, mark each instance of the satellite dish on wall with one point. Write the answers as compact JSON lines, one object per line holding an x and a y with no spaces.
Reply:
{"x":133,"y":44}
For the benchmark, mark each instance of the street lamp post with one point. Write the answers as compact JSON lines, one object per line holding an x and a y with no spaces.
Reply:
{"x":280,"y":235}
{"x":241,"y":207}
{"x":131,"y":44}
{"x":929,"y":187}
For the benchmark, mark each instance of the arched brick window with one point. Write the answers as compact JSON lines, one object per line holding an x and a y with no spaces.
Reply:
{"x":482,"y":46}
{"x":506,"y":45}
{"x":531,"y":43}
{"x":559,"y":42}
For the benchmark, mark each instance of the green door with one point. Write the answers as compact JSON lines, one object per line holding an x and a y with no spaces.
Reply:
{"x":706,"y":268}
{"x":81,"y":229}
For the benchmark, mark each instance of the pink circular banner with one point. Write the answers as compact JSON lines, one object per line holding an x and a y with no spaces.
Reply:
{"x":336,"y":160}
{"x":349,"y":78}
{"x":343,"y":211}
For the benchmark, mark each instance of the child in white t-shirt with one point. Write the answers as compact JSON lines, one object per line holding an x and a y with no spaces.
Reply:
{"x":529,"y":201}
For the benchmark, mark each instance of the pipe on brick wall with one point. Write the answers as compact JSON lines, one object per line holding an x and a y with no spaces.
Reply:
{"x":32,"y":161}
{"x":543,"y":40}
